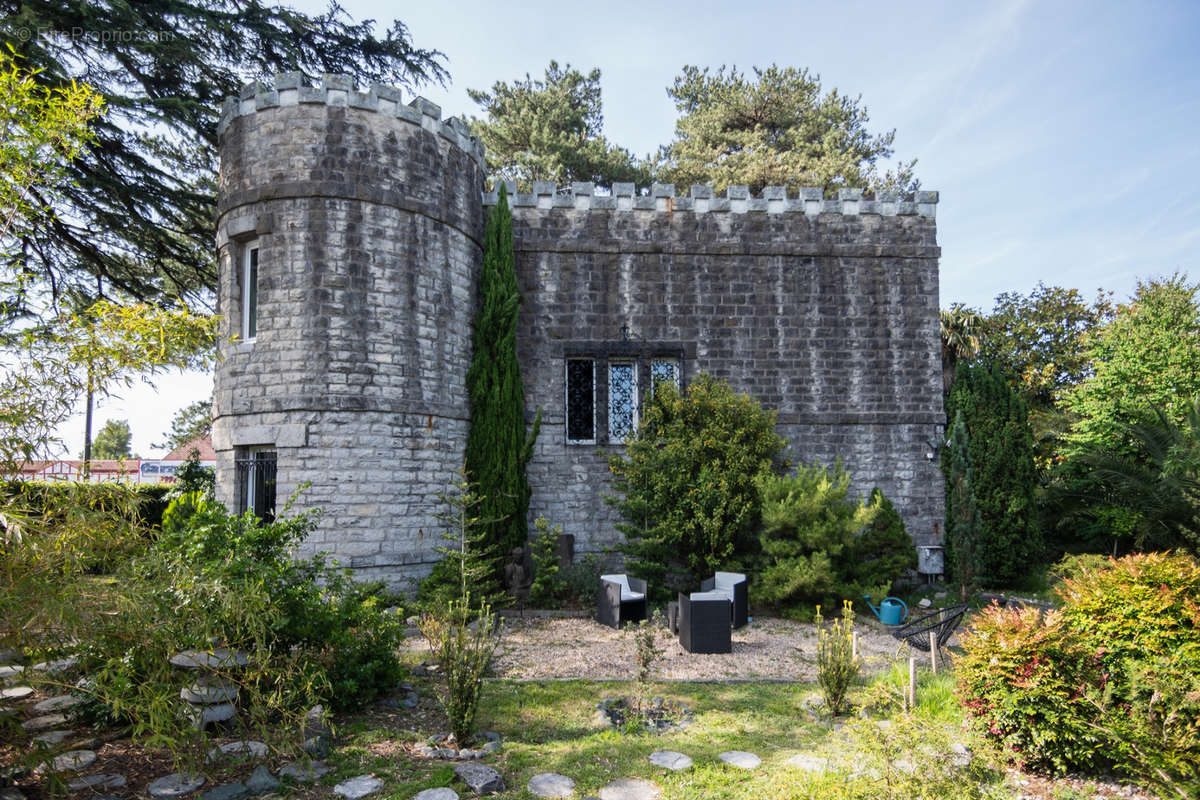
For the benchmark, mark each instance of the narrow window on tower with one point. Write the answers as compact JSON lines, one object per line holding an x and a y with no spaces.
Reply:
{"x":581,"y":401}
{"x":250,"y":292}
{"x":255,"y":481}
{"x":622,"y":401}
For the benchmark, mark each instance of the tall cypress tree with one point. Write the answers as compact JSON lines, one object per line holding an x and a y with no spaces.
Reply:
{"x":1004,"y":473}
{"x":498,"y":447}
{"x":962,"y":513}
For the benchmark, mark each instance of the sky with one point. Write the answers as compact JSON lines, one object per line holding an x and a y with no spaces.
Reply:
{"x":1063,"y":137}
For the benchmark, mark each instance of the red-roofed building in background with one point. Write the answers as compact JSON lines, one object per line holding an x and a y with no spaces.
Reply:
{"x":131,"y":470}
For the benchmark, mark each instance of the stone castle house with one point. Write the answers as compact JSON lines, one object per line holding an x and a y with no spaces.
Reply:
{"x":349,"y":234}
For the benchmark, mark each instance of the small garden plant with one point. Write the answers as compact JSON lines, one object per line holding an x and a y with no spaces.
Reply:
{"x":837,"y":664}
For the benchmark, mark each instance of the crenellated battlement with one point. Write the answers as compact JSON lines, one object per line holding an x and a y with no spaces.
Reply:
{"x":290,"y":89}
{"x":737,"y":200}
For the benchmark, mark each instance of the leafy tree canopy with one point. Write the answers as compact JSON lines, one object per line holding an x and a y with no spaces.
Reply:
{"x":551,"y":129}
{"x":190,"y":422}
{"x":1041,"y":338}
{"x":136,"y":215}
{"x":42,"y":130}
{"x":93,"y":351}
{"x":775,"y":128}
{"x":1146,"y":357}
{"x":113,"y":440}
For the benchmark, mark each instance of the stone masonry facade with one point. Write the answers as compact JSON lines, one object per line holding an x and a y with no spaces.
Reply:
{"x":365,"y":216}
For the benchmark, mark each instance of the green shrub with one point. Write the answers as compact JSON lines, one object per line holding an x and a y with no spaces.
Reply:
{"x":462,"y":644}
{"x":687,"y":484}
{"x":881,"y":552}
{"x":819,"y":547}
{"x":580,"y":581}
{"x":1021,"y":677}
{"x":315,"y":635}
{"x":1114,"y":677}
{"x":549,"y":586}
{"x":837,"y":666}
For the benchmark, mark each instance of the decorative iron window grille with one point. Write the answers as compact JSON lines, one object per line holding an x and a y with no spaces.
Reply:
{"x":256,"y":483}
{"x":622,"y":401}
{"x":663,"y":370}
{"x":581,"y":400}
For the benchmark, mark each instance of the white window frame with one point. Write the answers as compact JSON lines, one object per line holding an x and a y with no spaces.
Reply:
{"x":567,"y":400}
{"x":251,"y":265}
{"x":613,"y":437}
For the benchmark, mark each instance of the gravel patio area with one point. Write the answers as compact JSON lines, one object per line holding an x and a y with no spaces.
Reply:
{"x":767,"y":648}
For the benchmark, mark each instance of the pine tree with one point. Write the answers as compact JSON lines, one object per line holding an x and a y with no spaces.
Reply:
{"x":498,"y":447}
{"x":962,"y":513}
{"x":1005,"y":474}
{"x":466,"y":573}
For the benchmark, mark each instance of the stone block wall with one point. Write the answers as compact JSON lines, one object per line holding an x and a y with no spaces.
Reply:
{"x":824,"y":310}
{"x":367,"y":217}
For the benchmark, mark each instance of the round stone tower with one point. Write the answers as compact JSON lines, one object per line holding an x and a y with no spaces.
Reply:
{"x":348,"y":236}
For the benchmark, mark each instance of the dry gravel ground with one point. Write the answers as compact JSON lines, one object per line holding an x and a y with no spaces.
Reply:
{"x":768,"y":648}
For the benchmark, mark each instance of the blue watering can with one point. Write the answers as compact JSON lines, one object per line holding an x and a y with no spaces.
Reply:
{"x":891,"y":611}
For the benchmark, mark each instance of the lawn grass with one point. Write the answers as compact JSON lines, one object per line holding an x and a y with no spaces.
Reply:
{"x":552,"y":726}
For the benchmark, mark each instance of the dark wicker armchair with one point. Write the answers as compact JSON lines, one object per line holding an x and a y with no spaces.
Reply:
{"x":704,"y":623}
{"x":620,"y":599}
{"x":734,"y":586}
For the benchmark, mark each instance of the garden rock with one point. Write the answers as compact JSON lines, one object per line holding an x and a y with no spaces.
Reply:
{"x":808,"y":762}
{"x":551,"y":784}
{"x":11,"y":793}
{"x":261,"y":782}
{"x":740,"y":759}
{"x":10,"y":671}
{"x":925,"y":602}
{"x":221,"y":658}
{"x":361,"y":786}
{"x":51,"y":667}
{"x":102,"y":780}
{"x":175,"y":785}
{"x":317,"y":746}
{"x":669,"y":759}
{"x":491,"y":747}
{"x":229,"y":791}
{"x":960,"y":754}
{"x":411,"y":700}
{"x":73,"y":761}
{"x":60,"y":703}
{"x":43,"y":723}
{"x":206,"y":715}
{"x":630,"y":789}
{"x":304,"y":773}
{"x":16,"y":693}
{"x":210,"y":692}
{"x":53,"y":737}
{"x":240,"y":748}
{"x":481,"y":778}
{"x":441,"y":793}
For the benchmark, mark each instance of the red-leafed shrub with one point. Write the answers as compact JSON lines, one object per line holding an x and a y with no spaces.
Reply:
{"x":1023,"y":678}
{"x":1110,"y":679}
